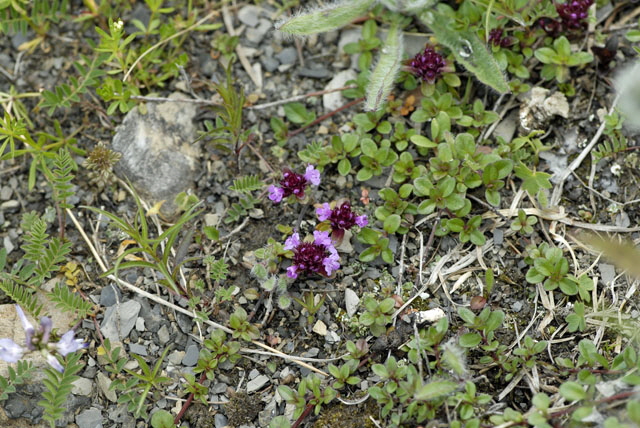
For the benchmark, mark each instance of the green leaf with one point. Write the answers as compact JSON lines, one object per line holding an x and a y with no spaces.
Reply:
{"x":297,"y":113}
{"x":422,"y":141}
{"x":392,"y":223}
{"x":344,"y":167}
{"x":470,"y":340}
{"x":325,"y":19}
{"x":572,"y":391}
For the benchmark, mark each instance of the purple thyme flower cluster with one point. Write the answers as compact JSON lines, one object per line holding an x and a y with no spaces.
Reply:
{"x":573,"y":13}
{"x":293,"y":183}
{"x":341,"y":218}
{"x":319,"y":256}
{"x":11,"y":352}
{"x":572,"y":16}
{"x":496,"y":38}
{"x":427,"y":65}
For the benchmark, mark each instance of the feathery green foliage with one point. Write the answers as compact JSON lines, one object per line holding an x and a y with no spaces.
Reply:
{"x":23,"y":296}
{"x":247,"y":184}
{"x":23,"y":371}
{"x":60,"y":177}
{"x":59,"y":387}
{"x":66,"y":300}
{"x":324,"y":19}
{"x":385,"y":72}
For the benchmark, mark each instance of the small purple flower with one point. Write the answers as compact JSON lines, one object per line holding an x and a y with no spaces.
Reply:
{"x":428,"y":65}
{"x":293,"y":183}
{"x":572,"y":13}
{"x":10,"y":351}
{"x":341,"y":218}
{"x":319,"y":256}
{"x":68,"y":344}
{"x":39,"y":340}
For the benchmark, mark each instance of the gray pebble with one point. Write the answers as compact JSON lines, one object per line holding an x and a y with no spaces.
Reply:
{"x":5,"y":193}
{"x":8,"y":245}
{"x":110,"y":295}
{"x":257,"y":383}
{"x":136,"y":348}
{"x":163,"y":335}
{"x":315,"y":73}
{"x":269,"y":63}
{"x":82,"y":386}
{"x":249,"y":15}
{"x":191,"y":357}
{"x":287,"y":56}
{"x":90,"y":418}
{"x":498,"y":237}
{"x":219,"y":388}
{"x":220,"y":420}
{"x":119,"y":320}
{"x":257,"y":35}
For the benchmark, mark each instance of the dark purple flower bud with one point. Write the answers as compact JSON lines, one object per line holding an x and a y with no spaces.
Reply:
{"x":428,"y":65}
{"x":550,"y":26}
{"x":573,"y":13}
{"x":319,"y":256}
{"x":293,"y":183}
{"x":496,"y":38}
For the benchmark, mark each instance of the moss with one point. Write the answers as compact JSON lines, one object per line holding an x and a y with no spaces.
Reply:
{"x":242,"y":408}
{"x":343,"y":416}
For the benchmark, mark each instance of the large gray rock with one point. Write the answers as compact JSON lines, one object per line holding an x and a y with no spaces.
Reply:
{"x":158,"y":154}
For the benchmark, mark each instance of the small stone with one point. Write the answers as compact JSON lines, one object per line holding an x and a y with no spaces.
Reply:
{"x":82,"y":386}
{"x":5,"y":193}
{"x":220,"y":420}
{"x":320,"y":328}
{"x":104,"y":383}
{"x":163,"y":335}
{"x":110,"y":295}
{"x":119,"y":320}
{"x":9,"y":205}
{"x":351,"y":301}
{"x":249,"y":15}
{"x":269,"y":63}
{"x":432,"y":315}
{"x":191,"y":357}
{"x":498,"y":237}
{"x":257,"y":383}
{"x":287,"y":56}
{"x":136,"y":348}
{"x":335,"y":100}
{"x":176,"y":357}
{"x":332,"y":337}
{"x":257,"y":35}
{"x":140,"y":324}
{"x":90,"y":418}
{"x":8,"y":245}
{"x":608,"y":272}
{"x":254,"y":373}
{"x":219,"y":388}
{"x":314,"y":72}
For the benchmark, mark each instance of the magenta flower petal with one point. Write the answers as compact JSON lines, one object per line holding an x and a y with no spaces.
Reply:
{"x":322,"y":238}
{"x":10,"y":351}
{"x":292,"y":242}
{"x":312,"y":175}
{"x":68,"y":343}
{"x":275,"y":193}
{"x":362,"y":220}
{"x":291,"y":271}
{"x":331,"y":263}
{"x":53,"y":362}
{"x":324,"y":212}
{"x":427,"y":65}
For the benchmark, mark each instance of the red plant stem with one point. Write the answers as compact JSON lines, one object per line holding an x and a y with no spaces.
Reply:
{"x":325,"y":116}
{"x":187,"y":403}
{"x":302,"y":417}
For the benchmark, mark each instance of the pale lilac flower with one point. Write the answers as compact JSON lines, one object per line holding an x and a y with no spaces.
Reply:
{"x":39,"y":340}
{"x":319,"y":256}
{"x":312,"y":175}
{"x":275,"y":193}
{"x":10,"y":351}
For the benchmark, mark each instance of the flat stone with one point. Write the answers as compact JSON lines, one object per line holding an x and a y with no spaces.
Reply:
{"x":431,"y":315}
{"x":191,"y":356}
{"x":5,"y":193}
{"x":140,"y":324}
{"x":351,"y":301}
{"x":335,"y":100}
{"x":104,"y":383}
{"x":608,"y":272}
{"x":8,"y":245}
{"x":332,"y":337}
{"x":220,"y":420}
{"x":176,"y":357}
{"x":90,"y":418}
{"x":249,"y":15}
{"x":119,"y":320}
{"x":320,"y":328}
{"x":110,"y":295}
{"x":287,"y":56}
{"x":82,"y":386}
{"x":158,"y":154}
{"x":269,"y":63}
{"x":314,"y":72}
{"x":257,"y":383}
{"x":257,"y":35}
{"x":163,"y":335}
{"x":136,"y":348}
